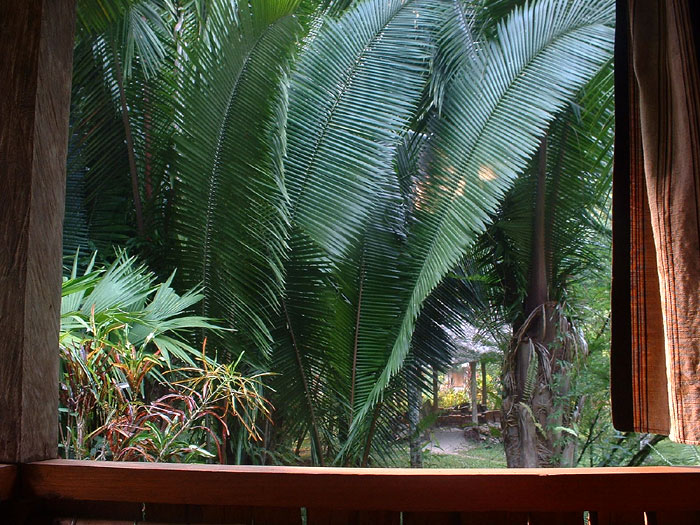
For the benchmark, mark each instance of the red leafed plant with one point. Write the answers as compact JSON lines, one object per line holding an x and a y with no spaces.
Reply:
{"x":204,"y":400}
{"x":121,"y":396}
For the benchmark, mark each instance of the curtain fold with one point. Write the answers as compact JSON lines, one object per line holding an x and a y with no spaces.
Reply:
{"x":655,"y":355}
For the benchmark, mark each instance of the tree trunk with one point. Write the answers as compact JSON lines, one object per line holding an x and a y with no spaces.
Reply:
{"x":414,"y":441}
{"x":524,"y":373}
{"x":484,"y":393}
{"x":473,"y":393}
{"x":542,"y":348}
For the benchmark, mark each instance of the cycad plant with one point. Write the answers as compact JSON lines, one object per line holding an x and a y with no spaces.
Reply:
{"x":321,"y":168}
{"x":550,"y":233}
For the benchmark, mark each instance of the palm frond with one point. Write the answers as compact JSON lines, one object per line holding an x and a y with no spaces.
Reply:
{"x":456,"y":47}
{"x":579,"y":145}
{"x":354,"y":89}
{"x":125,"y":295}
{"x":230,"y":214}
{"x":97,"y":170}
{"x":492,"y":120}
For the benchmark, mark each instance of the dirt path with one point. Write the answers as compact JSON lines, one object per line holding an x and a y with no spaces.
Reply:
{"x":447,"y":441}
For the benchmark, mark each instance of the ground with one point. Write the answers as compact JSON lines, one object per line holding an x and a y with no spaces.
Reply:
{"x":447,"y":441}
{"x":447,"y":448}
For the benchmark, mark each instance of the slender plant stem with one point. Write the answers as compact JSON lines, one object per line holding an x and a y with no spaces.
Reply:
{"x":307,"y":392}
{"x":357,"y":335}
{"x":370,"y":436}
{"x":129,"y":143}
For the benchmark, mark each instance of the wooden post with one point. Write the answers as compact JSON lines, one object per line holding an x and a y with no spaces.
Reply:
{"x":473,"y":393}
{"x":36,"y":46}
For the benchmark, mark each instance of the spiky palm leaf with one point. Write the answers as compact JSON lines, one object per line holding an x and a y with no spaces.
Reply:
{"x":337,"y":274}
{"x":578,"y":187}
{"x":492,"y":119}
{"x":357,"y":84}
{"x":117,"y":126}
{"x":230,"y":205}
{"x":125,"y":294}
{"x":98,"y":208}
{"x":354,"y":90}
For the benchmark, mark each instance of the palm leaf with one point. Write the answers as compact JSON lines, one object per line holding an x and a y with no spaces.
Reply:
{"x":354,"y":89}
{"x":579,"y":145}
{"x":493,"y":118}
{"x":97,"y":209}
{"x":125,"y":293}
{"x":230,"y":218}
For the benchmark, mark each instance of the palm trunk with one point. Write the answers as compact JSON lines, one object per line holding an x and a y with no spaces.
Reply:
{"x":542,"y":347}
{"x":315,"y":436}
{"x":370,"y":436}
{"x":522,"y":370}
{"x":472,"y":393}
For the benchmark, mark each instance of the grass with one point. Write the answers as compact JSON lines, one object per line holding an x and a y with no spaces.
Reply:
{"x":481,"y":456}
{"x":487,"y":455}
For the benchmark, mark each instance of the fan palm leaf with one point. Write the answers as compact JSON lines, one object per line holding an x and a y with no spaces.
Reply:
{"x":125,"y":294}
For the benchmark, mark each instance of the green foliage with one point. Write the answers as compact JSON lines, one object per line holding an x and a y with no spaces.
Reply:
{"x":452,"y":398}
{"x":480,"y":456}
{"x":469,"y":140}
{"x":124,"y":393}
{"x":318,"y":175}
{"x":230,"y":219}
{"x":122,"y":304}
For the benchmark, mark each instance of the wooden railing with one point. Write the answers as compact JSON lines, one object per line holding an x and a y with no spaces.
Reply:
{"x":77,"y":492}
{"x":8,"y":479}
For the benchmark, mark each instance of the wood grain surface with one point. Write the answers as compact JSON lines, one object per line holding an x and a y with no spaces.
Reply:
{"x":408,"y":490}
{"x":8,"y":477}
{"x":36,"y":45}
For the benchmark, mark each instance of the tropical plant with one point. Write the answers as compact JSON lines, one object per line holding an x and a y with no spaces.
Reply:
{"x":550,"y":233}
{"x":130,"y":386}
{"x":266,"y":151}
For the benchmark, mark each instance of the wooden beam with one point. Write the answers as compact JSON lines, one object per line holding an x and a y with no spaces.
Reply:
{"x":480,"y":490}
{"x":36,"y":45}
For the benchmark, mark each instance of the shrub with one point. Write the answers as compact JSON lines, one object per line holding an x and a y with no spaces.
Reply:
{"x":132,"y":386}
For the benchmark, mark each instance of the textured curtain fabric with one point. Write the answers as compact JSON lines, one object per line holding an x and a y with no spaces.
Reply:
{"x":655,"y":352}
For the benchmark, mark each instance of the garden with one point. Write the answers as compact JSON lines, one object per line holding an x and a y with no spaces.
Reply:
{"x":287,"y":221}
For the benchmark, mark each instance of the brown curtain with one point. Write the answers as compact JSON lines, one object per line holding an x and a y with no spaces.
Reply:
{"x":655,"y":352}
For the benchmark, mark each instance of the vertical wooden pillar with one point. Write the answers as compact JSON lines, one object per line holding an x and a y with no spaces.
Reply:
{"x":36,"y":46}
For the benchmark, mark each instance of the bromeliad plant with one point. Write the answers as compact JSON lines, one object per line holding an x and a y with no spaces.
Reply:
{"x":132,"y":387}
